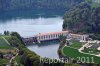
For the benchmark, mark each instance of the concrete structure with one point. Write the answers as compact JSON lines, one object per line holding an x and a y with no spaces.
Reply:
{"x":54,"y":35}
{"x":51,"y":35}
{"x":27,"y":40}
{"x":77,"y":37}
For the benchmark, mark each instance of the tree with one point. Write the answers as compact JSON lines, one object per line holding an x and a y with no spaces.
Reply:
{"x":7,"y":33}
{"x":1,"y":55}
{"x":4,"y":32}
{"x":83,"y":18}
{"x":37,"y":4}
{"x":18,"y":36}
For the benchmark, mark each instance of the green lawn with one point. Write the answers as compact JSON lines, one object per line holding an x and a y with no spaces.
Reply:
{"x":4,"y":44}
{"x":76,"y":45}
{"x":3,"y":61}
{"x":74,"y":53}
{"x":18,"y":59}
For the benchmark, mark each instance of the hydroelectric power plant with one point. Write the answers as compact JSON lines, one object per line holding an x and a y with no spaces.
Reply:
{"x":52,"y":36}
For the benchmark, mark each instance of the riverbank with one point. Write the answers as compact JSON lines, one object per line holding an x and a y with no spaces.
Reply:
{"x":27,"y":57}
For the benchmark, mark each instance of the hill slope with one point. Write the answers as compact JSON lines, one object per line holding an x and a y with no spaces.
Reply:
{"x":94,"y":3}
{"x":40,"y":4}
{"x":83,"y":18}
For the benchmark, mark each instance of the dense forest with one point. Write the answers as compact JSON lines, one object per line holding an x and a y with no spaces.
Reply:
{"x":83,"y":18}
{"x":39,"y":4}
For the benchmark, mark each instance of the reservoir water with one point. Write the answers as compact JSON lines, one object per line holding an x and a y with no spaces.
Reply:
{"x":46,"y":49}
{"x":32,"y":22}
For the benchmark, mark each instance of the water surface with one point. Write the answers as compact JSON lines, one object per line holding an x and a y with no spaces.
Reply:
{"x":29,"y":23}
{"x":46,"y":49}
{"x":32,"y":22}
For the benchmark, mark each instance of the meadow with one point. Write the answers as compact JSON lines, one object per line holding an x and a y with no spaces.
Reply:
{"x":76,"y":45}
{"x":4,"y":44}
{"x":74,"y":53}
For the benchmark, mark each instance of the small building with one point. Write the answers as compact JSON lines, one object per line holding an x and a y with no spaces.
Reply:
{"x":78,"y":37}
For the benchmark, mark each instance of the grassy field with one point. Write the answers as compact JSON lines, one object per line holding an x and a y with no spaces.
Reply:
{"x":18,"y":60}
{"x":74,"y":53}
{"x":3,"y":61}
{"x":4,"y":44}
{"x":76,"y":45}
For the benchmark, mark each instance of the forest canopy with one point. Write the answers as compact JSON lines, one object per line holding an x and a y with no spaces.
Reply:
{"x":39,"y":4}
{"x":83,"y":18}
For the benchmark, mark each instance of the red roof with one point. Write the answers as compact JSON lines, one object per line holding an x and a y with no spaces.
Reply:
{"x":51,"y":33}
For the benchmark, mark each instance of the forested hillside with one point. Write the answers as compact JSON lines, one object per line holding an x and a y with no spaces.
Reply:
{"x":93,"y":3}
{"x":83,"y":19}
{"x":40,"y":4}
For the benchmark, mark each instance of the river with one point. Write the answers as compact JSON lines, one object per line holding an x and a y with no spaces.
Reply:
{"x":32,"y":22}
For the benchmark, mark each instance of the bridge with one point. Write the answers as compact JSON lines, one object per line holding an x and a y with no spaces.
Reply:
{"x":52,"y":36}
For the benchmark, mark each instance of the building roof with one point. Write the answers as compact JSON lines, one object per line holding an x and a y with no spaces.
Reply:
{"x":51,"y":33}
{"x":76,"y":35}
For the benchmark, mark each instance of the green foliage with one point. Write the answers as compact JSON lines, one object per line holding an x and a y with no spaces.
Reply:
{"x":1,"y":55}
{"x":83,"y":18}
{"x":26,"y":57}
{"x":18,"y":36}
{"x":89,"y":1}
{"x":4,"y":44}
{"x":6,"y":33}
{"x":40,"y":4}
{"x":13,"y":41}
{"x":3,"y":62}
{"x":18,"y":58}
{"x":76,"y":45}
